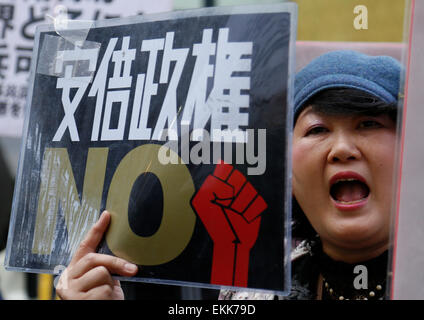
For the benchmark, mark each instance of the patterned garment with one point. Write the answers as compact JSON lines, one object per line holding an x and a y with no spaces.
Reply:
{"x":313,"y":271}
{"x":303,"y":249}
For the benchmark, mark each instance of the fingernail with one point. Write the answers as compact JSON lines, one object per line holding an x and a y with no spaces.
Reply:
{"x":130,"y":267}
{"x":105,"y":212}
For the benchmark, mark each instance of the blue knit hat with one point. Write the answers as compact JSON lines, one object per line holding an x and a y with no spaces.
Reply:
{"x":377,"y":75}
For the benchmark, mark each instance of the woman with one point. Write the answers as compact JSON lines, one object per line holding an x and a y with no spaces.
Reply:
{"x":344,"y":138}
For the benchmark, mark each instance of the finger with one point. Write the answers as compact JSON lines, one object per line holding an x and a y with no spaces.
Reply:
{"x":94,"y":278}
{"x":222,"y":170}
{"x":255,"y":209}
{"x":63,"y":285}
{"x":93,"y":237}
{"x":214,"y":189}
{"x":104,"y":292}
{"x":237,"y":180}
{"x":113,"y":264}
{"x":118,"y":293}
{"x":224,"y":202}
{"x":244,"y":198}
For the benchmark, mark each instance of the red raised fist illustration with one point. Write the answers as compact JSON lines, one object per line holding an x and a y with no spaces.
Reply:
{"x":230,"y":210}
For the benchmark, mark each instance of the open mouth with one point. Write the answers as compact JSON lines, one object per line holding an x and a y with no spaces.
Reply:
{"x":349,"y":191}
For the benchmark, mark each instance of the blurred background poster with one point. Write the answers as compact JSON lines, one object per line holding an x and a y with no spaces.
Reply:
{"x":18,"y":20}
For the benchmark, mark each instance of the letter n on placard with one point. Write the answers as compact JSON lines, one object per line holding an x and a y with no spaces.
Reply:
{"x":58,"y":187}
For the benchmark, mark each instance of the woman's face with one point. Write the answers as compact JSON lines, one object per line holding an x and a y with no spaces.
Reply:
{"x":342,"y":179}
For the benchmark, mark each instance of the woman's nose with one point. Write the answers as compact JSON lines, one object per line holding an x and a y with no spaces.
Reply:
{"x":343,"y":148}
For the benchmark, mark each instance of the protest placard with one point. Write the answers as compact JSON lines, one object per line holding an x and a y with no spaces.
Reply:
{"x":179,"y":125}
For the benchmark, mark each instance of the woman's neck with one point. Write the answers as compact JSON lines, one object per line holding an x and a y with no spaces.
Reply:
{"x":349,"y":255}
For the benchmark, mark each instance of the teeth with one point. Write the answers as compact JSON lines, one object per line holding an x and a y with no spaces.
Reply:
{"x":349,"y":179}
{"x":350,"y":202}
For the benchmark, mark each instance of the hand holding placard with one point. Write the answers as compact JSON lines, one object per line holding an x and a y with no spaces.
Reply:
{"x":88,"y":276}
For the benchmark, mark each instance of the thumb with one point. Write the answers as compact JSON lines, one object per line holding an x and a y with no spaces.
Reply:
{"x":93,"y":237}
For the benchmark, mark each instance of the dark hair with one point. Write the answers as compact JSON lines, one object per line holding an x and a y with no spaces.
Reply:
{"x":301,"y":227}
{"x":346,"y":101}
{"x":343,"y":101}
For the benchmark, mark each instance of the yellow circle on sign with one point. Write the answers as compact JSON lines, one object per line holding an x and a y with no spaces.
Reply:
{"x":178,"y":219}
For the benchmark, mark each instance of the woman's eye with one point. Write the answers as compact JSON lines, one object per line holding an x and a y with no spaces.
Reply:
{"x":316,"y":130}
{"x":369,"y":124}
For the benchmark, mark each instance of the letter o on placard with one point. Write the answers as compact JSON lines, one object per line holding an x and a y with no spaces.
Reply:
{"x":178,"y":219}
